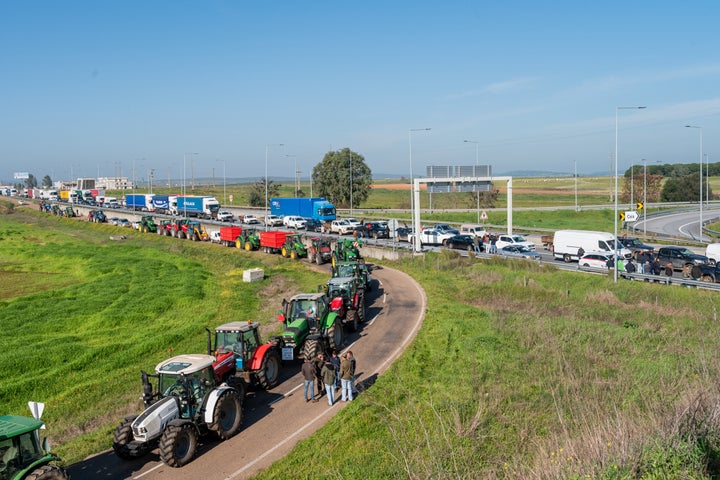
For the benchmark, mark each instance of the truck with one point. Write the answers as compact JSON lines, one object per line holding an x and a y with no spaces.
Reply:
{"x":193,"y":206}
{"x":317,"y":208}
{"x":51,"y":195}
{"x":161,"y":203}
{"x":139,"y":202}
{"x":272,"y":241}
{"x":569,"y":245}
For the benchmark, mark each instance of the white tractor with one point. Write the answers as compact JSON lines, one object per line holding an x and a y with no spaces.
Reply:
{"x":189,"y":402}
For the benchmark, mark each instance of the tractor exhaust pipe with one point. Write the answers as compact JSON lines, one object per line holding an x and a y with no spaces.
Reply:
{"x":209,"y":342}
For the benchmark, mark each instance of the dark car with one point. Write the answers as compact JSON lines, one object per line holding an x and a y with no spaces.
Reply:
{"x":680,"y":257}
{"x":312,"y":225}
{"x":461,"y":242}
{"x":635,"y":245}
{"x":402,"y":234}
{"x":374,"y":230}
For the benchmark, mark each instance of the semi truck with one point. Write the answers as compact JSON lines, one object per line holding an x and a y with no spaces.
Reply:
{"x":139,"y":202}
{"x":161,"y":203}
{"x":317,"y":208}
{"x":191,"y":206}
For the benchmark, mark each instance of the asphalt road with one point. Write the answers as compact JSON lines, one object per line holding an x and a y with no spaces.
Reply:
{"x":276,"y":420}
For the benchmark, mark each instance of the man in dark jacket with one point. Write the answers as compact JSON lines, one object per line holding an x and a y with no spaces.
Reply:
{"x":318,"y":363}
{"x":308,"y":372}
{"x":328,"y":376}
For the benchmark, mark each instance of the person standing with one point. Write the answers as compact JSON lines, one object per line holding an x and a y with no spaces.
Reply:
{"x":336,"y":363}
{"x":351,"y":359}
{"x":318,"y":363}
{"x":476,"y":244}
{"x":308,"y":372}
{"x":328,"y":375}
{"x":346,"y":377}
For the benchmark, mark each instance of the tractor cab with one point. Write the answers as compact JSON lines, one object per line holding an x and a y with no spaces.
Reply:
{"x":358,"y":270}
{"x":235,"y":346}
{"x":341,"y":292}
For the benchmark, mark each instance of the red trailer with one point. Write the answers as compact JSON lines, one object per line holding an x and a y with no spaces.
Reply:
{"x":229,"y":235}
{"x":273,"y":240}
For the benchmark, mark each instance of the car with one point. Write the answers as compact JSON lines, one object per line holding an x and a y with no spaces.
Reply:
{"x":123,"y":222}
{"x":215,"y":236}
{"x":112,"y":204}
{"x":635,"y":245}
{"x":293,"y":221}
{"x":518,"y":251}
{"x":273,"y":221}
{"x":341,"y":227}
{"x":225,"y":216}
{"x":461,"y":242}
{"x":680,"y":257}
{"x":251,"y":219}
{"x":431,"y":236}
{"x":354,"y":222}
{"x":595,"y":260}
{"x":374,"y":229}
{"x":113,"y":220}
{"x":445,"y":228}
{"x":136,"y":225}
{"x":505,"y":240}
{"x":312,"y":225}
{"x":402,"y":234}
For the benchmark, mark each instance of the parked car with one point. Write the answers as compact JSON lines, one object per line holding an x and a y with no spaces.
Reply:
{"x":635,"y":245}
{"x":595,"y":260}
{"x":123,"y":222}
{"x":477,"y":230}
{"x":113,"y":220}
{"x":712,"y":251}
{"x":273,"y":221}
{"x":402,"y":234}
{"x":341,"y":227}
{"x":374,"y":230}
{"x":518,"y":251}
{"x":461,"y":242}
{"x":251,"y":219}
{"x":445,"y":228}
{"x":354,"y":222}
{"x":225,"y":216}
{"x":505,"y":240}
{"x":312,"y":225}
{"x":293,"y":221}
{"x":680,"y":257}
{"x":431,"y":236}
{"x":215,"y":236}
{"x":136,"y":225}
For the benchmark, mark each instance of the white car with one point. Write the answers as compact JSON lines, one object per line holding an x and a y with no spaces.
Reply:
{"x":505,"y":240}
{"x":251,"y":219}
{"x":215,"y":237}
{"x":595,"y":260}
{"x":354,"y":222}
{"x":273,"y":221}
{"x":225,"y":216}
{"x":431,"y":236}
{"x":293,"y":221}
{"x":341,"y":227}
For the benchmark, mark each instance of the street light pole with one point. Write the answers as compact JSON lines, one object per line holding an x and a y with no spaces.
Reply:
{"x":185,"y":179}
{"x":477,"y":144}
{"x":707,"y":180}
{"x":632,"y":185}
{"x":351,"y":179}
{"x":615,"y":218}
{"x":575,"y":174}
{"x":224,"y":184}
{"x":644,"y":194}
{"x":416,"y":237}
{"x":701,"y":177}
{"x":266,"y":178}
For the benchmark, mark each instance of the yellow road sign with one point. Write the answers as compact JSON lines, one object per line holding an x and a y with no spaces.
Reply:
{"x":640,"y":205}
{"x":622,"y":216}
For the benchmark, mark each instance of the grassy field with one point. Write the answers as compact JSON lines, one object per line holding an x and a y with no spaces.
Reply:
{"x":519,"y":371}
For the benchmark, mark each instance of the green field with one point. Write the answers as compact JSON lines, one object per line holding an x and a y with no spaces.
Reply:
{"x":519,"y":371}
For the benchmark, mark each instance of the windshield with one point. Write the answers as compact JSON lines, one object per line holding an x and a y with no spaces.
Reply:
{"x":326,"y":212}
{"x":518,"y":239}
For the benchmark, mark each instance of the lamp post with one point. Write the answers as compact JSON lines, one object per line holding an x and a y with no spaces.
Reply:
{"x":185,"y":178}
{"x":266,"y":178}
{"x":575,"y":175}
{"x":477,"y":144}
{"x":416,"y":237}
{"x":632,"y":185}
{"x":224,"y":184}
{"x":615,"y":219}
{"x":351,"y":192}
{"x":644,"y":194}
{"x":701,"y":176}
{"x":707,"y":180}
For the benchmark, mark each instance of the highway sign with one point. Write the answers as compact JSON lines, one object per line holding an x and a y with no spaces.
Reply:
{"x":631,"y":216}
{"x":640,"y":205}
{"x":483,"y":215}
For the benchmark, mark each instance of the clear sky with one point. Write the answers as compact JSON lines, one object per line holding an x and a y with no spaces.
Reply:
{"x":97,"y":86}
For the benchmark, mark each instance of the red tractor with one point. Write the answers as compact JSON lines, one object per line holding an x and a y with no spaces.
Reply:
{"x":240,"y":355}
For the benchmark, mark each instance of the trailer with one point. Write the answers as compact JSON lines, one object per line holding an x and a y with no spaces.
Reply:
{"x":161,"y":203}
{"x":317,"y":208}
{"x":272,"y":241}
{"x":230,"y":235}
{"x":139,"y":202}
{"x":192,"y":206}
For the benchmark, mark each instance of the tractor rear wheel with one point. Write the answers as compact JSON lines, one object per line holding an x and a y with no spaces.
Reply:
{"x":227,"y":416}
{"x":238,"y":243}
{"x":293,"y":254}
{"x":335,"y":336}
{"x":48,"y":472}
{"x":311,"y":349}
{"x":361,"y":307}
{"x":195,"y":237}
{"x":124,"y":444}
{"x":352,"y":320}
{"x":318,"y":259}
{"x":269,"y":374}
{"x":284,"y":251}
{"x":178,"y":444}
{"x":248,"y":245}
{"x":180,"y":234}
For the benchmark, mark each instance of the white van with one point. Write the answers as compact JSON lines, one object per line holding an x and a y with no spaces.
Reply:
{"x":713,"y":252}
{"x":568,"y":243}
{"x":477,"y":230}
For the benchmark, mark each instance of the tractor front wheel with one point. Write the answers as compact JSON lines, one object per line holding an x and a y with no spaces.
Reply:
{"x":311,"y":349}
{"x":293,"y":254}
{"x":352,"y":316}
{"x":361,"y":307}
{"x":248,"y":246}
{"x":269,"y":374}
{"x":178,"y":444}
{"x":124,"y":444}
{"x":48,"y":472}
{"x":227,"y":416}
{"x":283,"y":251}
{"x":335,"y":336}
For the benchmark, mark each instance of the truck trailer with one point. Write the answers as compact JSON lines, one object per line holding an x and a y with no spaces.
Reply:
{"x":317,"y":208}
{"x":139,"y":202}
{"x":193,"y":206}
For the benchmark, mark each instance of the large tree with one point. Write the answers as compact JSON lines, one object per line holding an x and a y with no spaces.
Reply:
{"x":683,"y":189}
{"x":332,"y":178}
{"x":257,"y":192}
{"x":47,"y":181}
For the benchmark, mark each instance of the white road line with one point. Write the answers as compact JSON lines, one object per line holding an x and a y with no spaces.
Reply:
{"x":150,"y":471}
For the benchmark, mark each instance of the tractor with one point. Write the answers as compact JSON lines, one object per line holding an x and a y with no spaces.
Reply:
{"x":96,"y":216}
{"x":346,"y":250}
{"x":192,"y":230}
{"x":148,"y":225}
{"x":310,"y":326}
{"x":347,"y":298}
{"x":360,"y":270}
{"x":319,"y":250}
{"x":68,"y":212}
{"x":249,"y":239}
{"x":239,"y":353}
{"x":176,"y":227}
{"x":23,"y":456}
{"x":293,"y":247}
{"x":188,"y":402}
{"x":164,"y":227}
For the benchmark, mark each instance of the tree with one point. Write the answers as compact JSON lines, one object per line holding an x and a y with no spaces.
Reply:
{"x":487,"y":199}
{"x":47,"y":181}
{"x":332,"y":178}
{"x":653,"y":183}
{"x":682,"y":189}
{"x":31,"y":181}
{"x":257,"y":192}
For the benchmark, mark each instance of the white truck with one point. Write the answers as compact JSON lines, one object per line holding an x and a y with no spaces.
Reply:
{"x":569,"y":245}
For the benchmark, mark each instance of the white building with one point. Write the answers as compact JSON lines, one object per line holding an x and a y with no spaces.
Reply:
{"x":114,"y":183}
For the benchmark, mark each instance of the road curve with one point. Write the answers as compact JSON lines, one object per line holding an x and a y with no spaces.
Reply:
{"x":276,"y":420}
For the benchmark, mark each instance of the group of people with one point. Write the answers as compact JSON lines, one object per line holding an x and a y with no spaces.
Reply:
{"x":329,"y":373}
{"x":488,"y":241}
{"x":646,"y":264}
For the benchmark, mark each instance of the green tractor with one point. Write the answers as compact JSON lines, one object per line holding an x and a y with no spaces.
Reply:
{"x":249,"y":239}
{"x":68,"y":212}
{"x":293,"y":247}
{"x":360,"y":270}
{"x":23,"y":456}
{"x":346,"y":250}
{"x":310,"y":326}
{"x":148,"y":225}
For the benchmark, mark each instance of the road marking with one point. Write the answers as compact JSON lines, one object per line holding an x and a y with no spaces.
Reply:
{"x":151,"y":470}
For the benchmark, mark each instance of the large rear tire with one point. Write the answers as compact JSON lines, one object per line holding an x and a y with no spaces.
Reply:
{"x":284,"y":252}
{"x":335,"y":336}
{"x":48,"y":472}
{"x":178,"y":444}
{"x":311,"y":349}
{"x":361,"y":307}
{"x":318,"y":259}
{"x":248,"y":246}
{"x":353,"y":320}
{"x":124,"y":444}
{"x":227,"y":416}
{"x":310,"y":257}
{"x":269,"y":374}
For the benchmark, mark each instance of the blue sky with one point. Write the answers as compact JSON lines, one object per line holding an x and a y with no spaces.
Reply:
{"x":98,"y":86}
